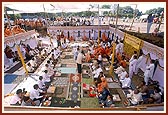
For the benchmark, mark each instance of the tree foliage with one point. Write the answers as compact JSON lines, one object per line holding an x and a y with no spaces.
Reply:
{"x":157,"y":11}
{"x":126,"y":11}
{"x":106,"y":7}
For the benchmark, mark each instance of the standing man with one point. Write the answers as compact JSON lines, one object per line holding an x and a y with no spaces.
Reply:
{"x":132,"y":65}
{"x":149,"y":22}
{"x":79,"y":61}
{"x":149,"y":71}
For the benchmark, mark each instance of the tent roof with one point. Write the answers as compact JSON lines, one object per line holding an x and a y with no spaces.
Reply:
{"x":53,"y":7}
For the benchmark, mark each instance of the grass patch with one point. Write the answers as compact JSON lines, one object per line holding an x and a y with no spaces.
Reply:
{"x":89,"y":103}
{"x":87,"y":80}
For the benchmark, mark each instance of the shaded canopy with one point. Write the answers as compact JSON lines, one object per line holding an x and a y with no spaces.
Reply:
{"x":47,"y":7}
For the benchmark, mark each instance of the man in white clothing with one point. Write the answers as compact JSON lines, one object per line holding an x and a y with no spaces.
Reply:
{"x":96,"y":72}
{"x":36,"y":93}
{"x":126,"y":83}
{"x":118,"y":70}
{"x":100,"y":60}
{"x":41,"y":84}
{"x":33,"y":63}
{"x":46,"y":78}
{"x":135,"y":97}
{"x":121,"y":47}
{"x":79,"y":61}
{"x":132,"y":64}
{"x":16,"y":99}
{"x":132,"y":57}
{"x":117,"y":48}
{"x":149,"y":71}
{"x":30,"y":68}
{"x":123,"y":74}
{"x":139,"y":63}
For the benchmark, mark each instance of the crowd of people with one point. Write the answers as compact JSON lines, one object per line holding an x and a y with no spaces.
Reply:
{"x":38,"y":95}
{"x":97,"y":50}
{"x":124,"y":68}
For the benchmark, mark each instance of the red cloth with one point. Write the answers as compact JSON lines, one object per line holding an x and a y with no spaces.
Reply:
{"x":92,"y":92}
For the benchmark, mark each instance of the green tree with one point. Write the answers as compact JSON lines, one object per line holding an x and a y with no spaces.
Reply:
{"x":106,"y":6}
{"x":155,"y":10}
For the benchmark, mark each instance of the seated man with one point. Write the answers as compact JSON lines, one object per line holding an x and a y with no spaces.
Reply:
{"x":46,"y":78}
{"x":135,"y":97}
{"x":30,"y":69}
{"x":96,"y":72}
{"x":45,"y":54}
{"x":144,"y":91}
{"x":29,"y":102}
{"x":123,"y":74}
{"x":118,"y":70}
{"x":33,"y":63}
{"x":28,"y":56}
{"x":37,"y":94}
{"x":41,"y":84}
{"x":126,"y":83}
{"x":156,"y":96}
{"x":17,"y":98}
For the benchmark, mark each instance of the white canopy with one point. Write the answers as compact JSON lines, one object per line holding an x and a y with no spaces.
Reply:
{"x":34,"y":7}
{"x":54,"y":7}
{"x":48,"y":7}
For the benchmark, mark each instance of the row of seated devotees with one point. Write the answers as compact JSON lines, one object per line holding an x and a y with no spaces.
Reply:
{"x":13,"y":31}
{"x":142,"y":94}
{"x":35,"y":56}
{"x":18,"y":28}
{"x":36,"y":97}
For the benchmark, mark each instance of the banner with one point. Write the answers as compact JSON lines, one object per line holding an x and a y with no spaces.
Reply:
{"x":133,"y":41}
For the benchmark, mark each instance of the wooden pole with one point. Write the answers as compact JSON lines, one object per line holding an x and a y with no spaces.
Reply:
{"x":116,"y":20}
{"x":98,"y":27}
{"x":133,"y":17}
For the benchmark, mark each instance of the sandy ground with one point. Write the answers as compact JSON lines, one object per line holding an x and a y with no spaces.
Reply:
{"x":135,"y":25}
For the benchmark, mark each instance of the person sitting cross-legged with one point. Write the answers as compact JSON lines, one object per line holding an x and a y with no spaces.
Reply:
{"x":17,"y":98}
{"x":135,"y":97}
{"x":126,"y":82}
{"x":37,"y":94}
{"x":29,"y":102}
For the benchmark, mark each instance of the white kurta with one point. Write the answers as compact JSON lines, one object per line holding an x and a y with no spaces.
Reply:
{"x":121,"y":47}
{"x":35,"y":94}
{"x":148,"y":72}
{"x":132,"y":65}
{"x":126,"y":83}
{"x":139,"y":62}
{"x":117,"y":48}
{"x":46,"y":78}
{"x":97,"y":72}
{"x":122,"y":75}
{"x":15,"y":99}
